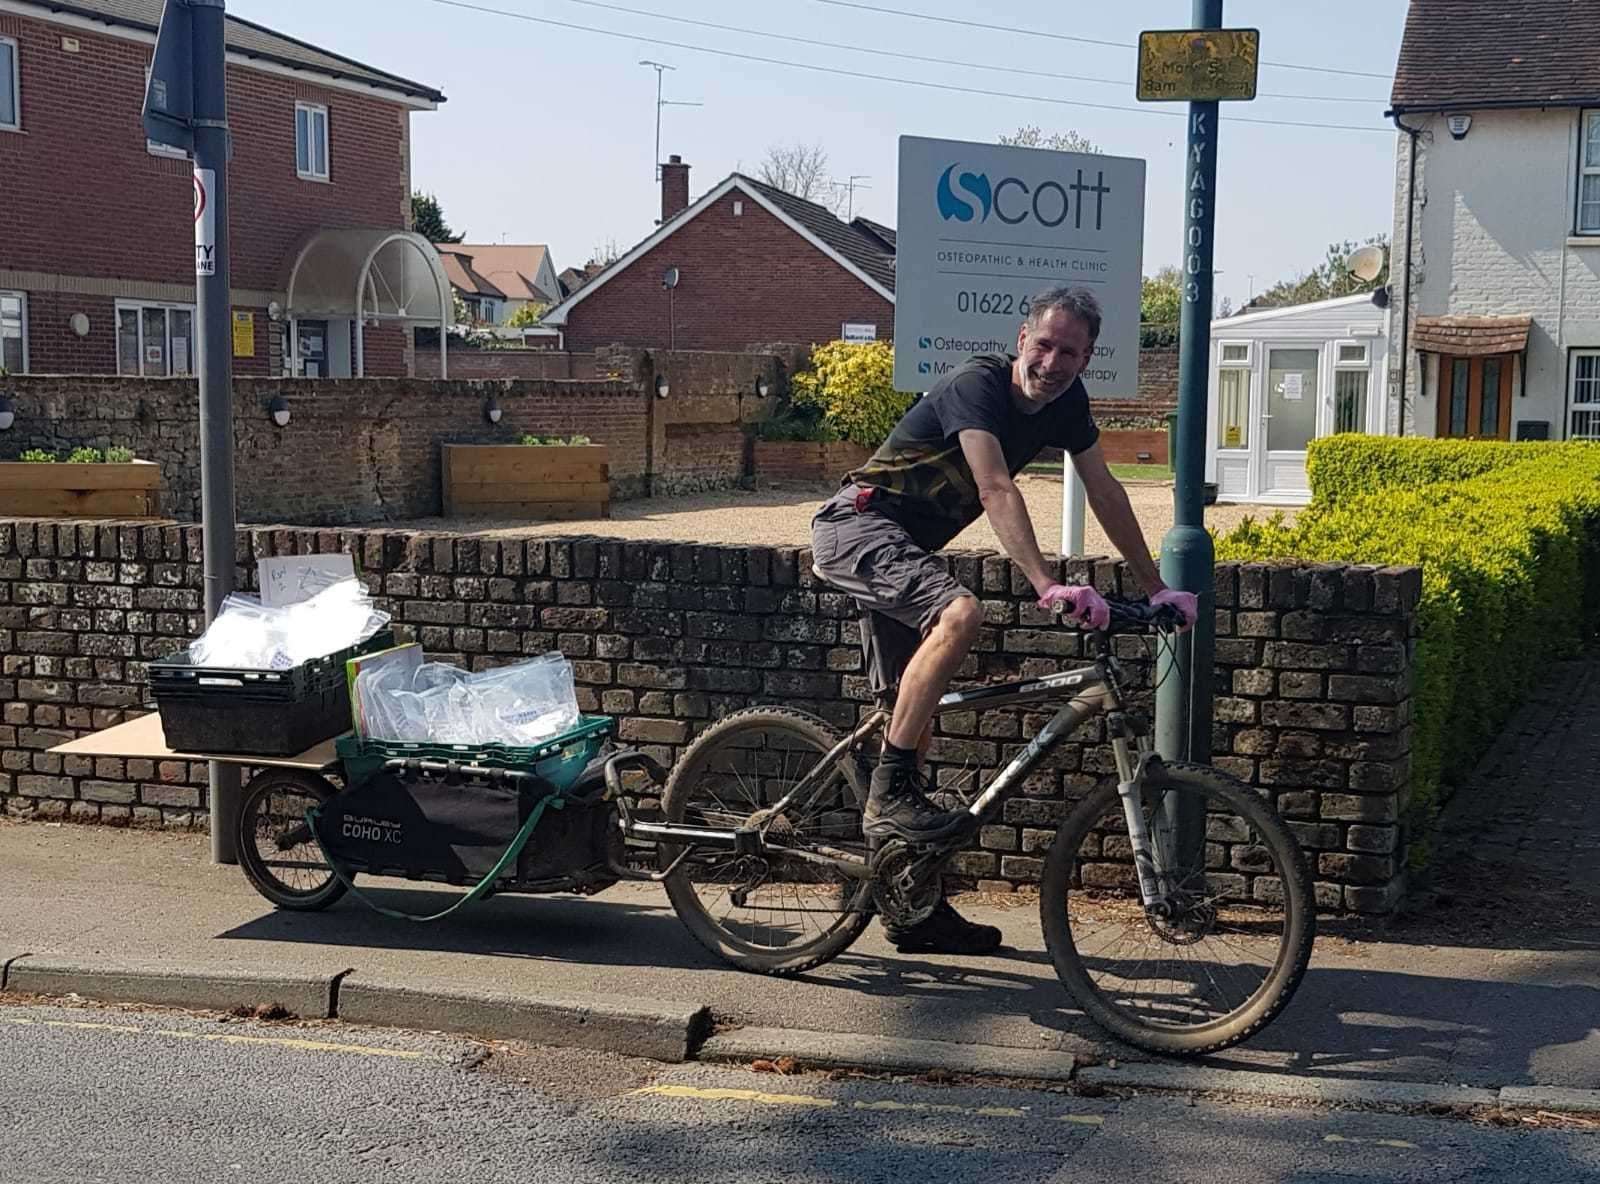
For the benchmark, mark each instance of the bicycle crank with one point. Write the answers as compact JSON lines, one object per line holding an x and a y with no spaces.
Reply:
{"x":905,"y":884}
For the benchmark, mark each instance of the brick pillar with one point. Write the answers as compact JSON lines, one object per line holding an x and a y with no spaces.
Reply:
{"x":674,"y":186}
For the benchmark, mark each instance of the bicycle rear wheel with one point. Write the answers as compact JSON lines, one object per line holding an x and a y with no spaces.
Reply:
{"x":774,"y":912}
{"x":1231,"y":952}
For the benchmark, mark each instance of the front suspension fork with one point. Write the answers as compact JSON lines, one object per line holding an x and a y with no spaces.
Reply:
{"x":1134,"y":759}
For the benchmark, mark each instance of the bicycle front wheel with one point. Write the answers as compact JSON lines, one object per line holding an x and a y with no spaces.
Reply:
{"x":1226,"y":954}
{"x":787,"y":908}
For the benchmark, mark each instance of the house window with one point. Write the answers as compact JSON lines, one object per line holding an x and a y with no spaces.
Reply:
{"x":1233,"y":395}
{"x":13,"y":333}
{"x":1351,"y":380}
{"x":311,"y":141}
{"x":10,"y":85}
{"x":1585,"y":395}
{"x":1589,"y":174}
{"x":155,"y":340}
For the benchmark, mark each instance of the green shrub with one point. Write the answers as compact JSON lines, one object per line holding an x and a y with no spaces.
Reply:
{"x":1509,"y":546}
{"x":554,"y":441}
{"x":1346,"y":465}
{"x":86,"y":456}
{"x":853,"y":386}
{"x":38,"y":456}
{"x":797,"y":423}
{"x":119,"y":455}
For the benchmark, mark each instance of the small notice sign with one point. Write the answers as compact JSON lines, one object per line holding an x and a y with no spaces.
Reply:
{"x":244,"y":334}
{"x":858,"y":332}
{"x":1198,"y":65}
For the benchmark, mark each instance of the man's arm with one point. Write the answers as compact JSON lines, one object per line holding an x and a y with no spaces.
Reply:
{"x":1111,"y":507}
{"x":1003,"y":503}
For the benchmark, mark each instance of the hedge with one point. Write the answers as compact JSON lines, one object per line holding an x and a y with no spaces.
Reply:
{"x":1508,"y":539}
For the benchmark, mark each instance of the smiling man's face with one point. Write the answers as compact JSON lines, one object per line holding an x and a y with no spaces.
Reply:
{"x":1051,"y":353}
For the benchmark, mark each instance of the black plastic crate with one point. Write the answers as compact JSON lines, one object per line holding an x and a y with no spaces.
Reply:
{"x":234,"y":710}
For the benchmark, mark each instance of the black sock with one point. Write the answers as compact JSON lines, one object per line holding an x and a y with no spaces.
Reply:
{"x":906,"y":758}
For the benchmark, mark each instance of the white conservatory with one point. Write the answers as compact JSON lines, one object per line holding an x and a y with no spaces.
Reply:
{"x":1283,"y":377}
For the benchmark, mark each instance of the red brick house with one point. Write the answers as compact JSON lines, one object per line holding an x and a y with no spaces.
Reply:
{"x":746,"y":264}
{"x":96,"y":230}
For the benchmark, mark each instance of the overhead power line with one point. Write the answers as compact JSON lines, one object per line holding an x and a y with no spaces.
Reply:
{"x":950,"y":20}
{"x":917,"y":82}
{"x":932,"y":61}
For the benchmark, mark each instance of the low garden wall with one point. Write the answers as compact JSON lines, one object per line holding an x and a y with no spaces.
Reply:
{"x":1313,"y":668}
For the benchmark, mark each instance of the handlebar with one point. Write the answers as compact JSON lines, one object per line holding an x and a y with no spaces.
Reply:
{"x":1137,"y":616}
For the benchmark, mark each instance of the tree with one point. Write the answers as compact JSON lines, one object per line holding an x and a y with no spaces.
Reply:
{"x":427,"y":219}
{"x":1029,"y":136}
{"x":528,"y":314}
{"x":1328,"y":280}
{"x":801,"y":169}
{"x":1161,"y":297}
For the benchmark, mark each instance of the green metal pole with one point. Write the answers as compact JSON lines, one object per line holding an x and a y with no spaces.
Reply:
{"x":1183,"y":699}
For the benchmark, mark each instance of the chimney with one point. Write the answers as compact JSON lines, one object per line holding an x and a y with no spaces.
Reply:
{"x":674,"y":186}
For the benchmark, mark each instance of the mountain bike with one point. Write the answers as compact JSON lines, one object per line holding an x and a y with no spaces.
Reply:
{"x":1176,"y":904}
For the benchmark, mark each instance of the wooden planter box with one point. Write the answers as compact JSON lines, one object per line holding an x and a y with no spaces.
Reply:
{"x":67,"y":490}
{"x":807,"y":460}
{"x":538,"y":481}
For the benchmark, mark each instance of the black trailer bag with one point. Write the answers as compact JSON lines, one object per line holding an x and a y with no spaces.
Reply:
{"x":421,"y":825}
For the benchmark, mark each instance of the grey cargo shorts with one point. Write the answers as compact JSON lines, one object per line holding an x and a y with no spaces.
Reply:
{"x":900,"y":587}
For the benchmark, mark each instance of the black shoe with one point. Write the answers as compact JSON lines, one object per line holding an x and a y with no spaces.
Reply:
{"x":946,"y":932}
{"x":897,"y":809}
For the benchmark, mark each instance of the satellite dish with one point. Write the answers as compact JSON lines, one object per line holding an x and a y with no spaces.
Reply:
{"x":669,"y":278}
{"x":1366,"y":264}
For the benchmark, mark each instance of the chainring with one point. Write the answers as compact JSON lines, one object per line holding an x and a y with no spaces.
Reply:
{"x":901,"y":901}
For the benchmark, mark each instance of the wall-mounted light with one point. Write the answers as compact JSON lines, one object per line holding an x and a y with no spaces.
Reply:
{"x":80,"y":323}
{"x":1459,"y":126}
{"x":279,"y":410}
{"x":8,"y":414}
{"x":762,"y":387}
{"x":663,"y":387}
{"x":274,"y":311}
{"x":491,"y":411}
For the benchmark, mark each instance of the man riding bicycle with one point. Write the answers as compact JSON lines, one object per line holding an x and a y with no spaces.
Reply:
{"x":951,"y":458}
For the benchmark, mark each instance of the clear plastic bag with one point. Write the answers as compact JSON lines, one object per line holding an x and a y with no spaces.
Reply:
{"x":252,"y":636}
{"x":520,"y":705}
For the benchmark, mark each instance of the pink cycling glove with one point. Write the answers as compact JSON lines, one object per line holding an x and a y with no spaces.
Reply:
{"x":1083,"y":604}
{"x":1187,"y":604}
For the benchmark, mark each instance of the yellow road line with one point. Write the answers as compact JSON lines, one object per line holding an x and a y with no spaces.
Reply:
{"x":1370,"y":1141}
{"x":736,"y":1095}
{"x":288,"y":1042}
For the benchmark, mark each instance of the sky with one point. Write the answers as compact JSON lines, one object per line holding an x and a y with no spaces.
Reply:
{"x":548,"y":131}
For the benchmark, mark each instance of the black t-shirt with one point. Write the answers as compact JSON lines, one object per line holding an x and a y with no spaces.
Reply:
{"x":920,"y":476}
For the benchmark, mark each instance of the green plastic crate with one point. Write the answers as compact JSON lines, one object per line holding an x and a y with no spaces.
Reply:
{"x":558,"y":760}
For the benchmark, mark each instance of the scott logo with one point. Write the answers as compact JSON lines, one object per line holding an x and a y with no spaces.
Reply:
{"x":1012,"y":199}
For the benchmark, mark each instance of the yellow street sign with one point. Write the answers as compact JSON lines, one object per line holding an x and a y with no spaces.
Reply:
{"x":1198,"y":65}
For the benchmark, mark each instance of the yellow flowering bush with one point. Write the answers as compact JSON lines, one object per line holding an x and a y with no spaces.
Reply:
{"x":1508,"y":539}
{"x":853,"y":386}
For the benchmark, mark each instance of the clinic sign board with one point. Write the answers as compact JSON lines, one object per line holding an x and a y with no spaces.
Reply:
{"x":982,"y":228}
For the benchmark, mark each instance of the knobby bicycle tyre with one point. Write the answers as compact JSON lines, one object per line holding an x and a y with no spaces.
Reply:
{"x":682,"y":803}
{"x":1289,"y":887}
{"x":274,"y":804}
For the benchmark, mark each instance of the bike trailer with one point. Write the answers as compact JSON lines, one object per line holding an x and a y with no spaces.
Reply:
{"x":493,"y":816}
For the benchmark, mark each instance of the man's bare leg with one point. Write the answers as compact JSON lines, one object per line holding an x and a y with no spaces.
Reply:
{"x":896,"y":806}
{"x":930,"y":670}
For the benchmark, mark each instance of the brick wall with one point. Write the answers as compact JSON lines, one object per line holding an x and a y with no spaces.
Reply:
{"x":505,"y":363}
{"x":1313,"y":670}
{"x":366,"y":450}
{"x":744,"y":279}
{"x":115,"y":211}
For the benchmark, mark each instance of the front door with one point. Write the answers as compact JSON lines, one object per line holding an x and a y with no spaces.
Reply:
{"x":1475,"y":397}
{"x":1288,"y":418}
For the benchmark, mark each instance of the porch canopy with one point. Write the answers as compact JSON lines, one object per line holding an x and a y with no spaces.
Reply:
{"x":1472,"y":337}
{"x":370,"y":274}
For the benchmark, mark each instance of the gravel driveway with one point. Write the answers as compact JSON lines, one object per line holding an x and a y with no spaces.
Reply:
{"x":780,"y":515}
